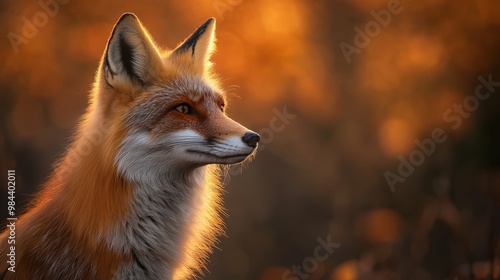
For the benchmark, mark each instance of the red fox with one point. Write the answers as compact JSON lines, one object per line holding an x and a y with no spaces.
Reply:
{"x":137,"y":194}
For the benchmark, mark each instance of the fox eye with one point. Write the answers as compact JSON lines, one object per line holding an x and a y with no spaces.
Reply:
{"x":222,"y":106}
{"x":184,"y":108}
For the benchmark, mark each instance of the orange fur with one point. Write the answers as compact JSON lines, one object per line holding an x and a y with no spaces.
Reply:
{"x":66,"y":233}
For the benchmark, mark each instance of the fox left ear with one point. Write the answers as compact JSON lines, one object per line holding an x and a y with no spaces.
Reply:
{"x":131,"y":57}
{"x":198,"y":47}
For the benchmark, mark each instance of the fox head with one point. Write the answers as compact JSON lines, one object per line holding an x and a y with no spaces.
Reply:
{"x":165,"y":108}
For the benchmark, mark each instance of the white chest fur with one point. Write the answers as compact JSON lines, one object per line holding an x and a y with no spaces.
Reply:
{"x":166,"y":204}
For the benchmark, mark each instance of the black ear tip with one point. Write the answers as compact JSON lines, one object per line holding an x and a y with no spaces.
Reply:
{"x":206,"y":24}
{"x":190,"y":42}
{"x":127,"y":16}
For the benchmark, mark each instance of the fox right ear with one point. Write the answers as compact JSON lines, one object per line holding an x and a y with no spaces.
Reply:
{"x":131,"y":57}
{"x":197,"y":49}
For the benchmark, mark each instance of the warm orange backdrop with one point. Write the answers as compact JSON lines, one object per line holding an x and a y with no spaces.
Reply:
{"x":322,"y":172}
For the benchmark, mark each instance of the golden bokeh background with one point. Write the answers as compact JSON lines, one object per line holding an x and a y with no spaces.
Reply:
{"x":320,"y":173}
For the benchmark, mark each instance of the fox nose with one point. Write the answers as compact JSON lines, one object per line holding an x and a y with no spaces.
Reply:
{"x":251,"y":138}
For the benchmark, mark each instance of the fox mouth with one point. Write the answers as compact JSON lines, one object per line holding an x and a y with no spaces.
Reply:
{"x":237,"y":157}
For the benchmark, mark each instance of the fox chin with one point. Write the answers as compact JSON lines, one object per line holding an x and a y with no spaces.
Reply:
{"x":137,"y":194}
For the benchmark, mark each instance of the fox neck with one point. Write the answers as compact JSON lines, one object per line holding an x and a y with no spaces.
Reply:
{"x":162,"y":225}
{"x":157,"y":226}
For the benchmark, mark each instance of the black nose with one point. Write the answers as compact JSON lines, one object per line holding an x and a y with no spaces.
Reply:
{"x":251,"y":138}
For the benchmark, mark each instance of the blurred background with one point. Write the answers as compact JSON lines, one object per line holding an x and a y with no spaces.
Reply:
{"x":341,"y":91}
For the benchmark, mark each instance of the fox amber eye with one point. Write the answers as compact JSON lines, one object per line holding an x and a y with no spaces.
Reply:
{"x":185,"y":109}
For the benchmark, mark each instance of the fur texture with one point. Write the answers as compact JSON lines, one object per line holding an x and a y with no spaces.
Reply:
{"x":137,"y":195}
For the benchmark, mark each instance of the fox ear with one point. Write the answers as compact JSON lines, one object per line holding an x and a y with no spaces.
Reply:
{"x":131,"y":56}
{"x":198,"y":47}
